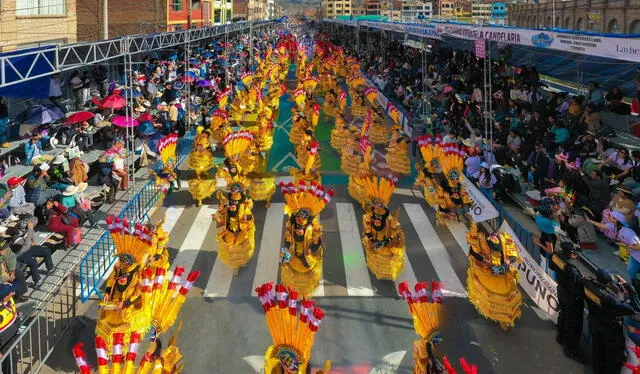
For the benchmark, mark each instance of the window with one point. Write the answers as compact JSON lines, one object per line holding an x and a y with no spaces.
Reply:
{"x":40,"y":7}
{"x":614,"y":26}
{"x":177,"y":5}
{"x":216,"y":16}
{"x":580,"y":24}
{"x":635,"y":27}
{"x":177,"y":28}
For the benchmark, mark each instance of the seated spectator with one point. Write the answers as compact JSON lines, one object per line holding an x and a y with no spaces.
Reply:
{"x":33,"y":150}
{"x":59,"y":173}
{"x":105,"y":134}
{"x":559,"y":136}
{"x":78,"y":170}
{"x":18,"y":204}
{"x":28,"y":252}
{"x":596,"y":96}
{"x":615,"y":95}
{"x":575,"y":108}
{"x":71,"y":199}
{"x":590,"y":119}
{"x":627,"y":240}
{"x":632,"y":181}
{"x":59,"y":221}
{"x":621,"y":203}
{"x":598,"y":195}
{"x":84,"y":137}
{"x":37,"y":187}
{"x":618,"y":165}
{"x":121,"y":173}
{"x":10,"y":274}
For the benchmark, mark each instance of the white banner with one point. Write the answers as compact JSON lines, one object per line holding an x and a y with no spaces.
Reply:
{"x":533,"y":280}
{"x":482,"y":209}
{"x":592,"y":44}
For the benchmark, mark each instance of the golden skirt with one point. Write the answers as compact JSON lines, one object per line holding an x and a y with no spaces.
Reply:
{"x":339,"y":138}
{"x":262,"y":189}
{"x":304,"y":156}
{"x":356,"y":191}
{"x":239,"y":254}
{"x":200,"y":161}
{"x":201,"y":189}
{"x":398,"y":162}
{"x":350,"y":162}
{"x":298,"y":277}
{"x":296,"y":135}
{"x":126,"y":321}
{"x":495,"y":296}
{"x":378,"y":134}
{"x":385,"y":263}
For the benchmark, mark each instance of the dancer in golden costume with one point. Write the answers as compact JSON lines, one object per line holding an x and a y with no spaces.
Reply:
{"x":451,"y":196}
{"x":350,"y":160}
{"x":309,"y":173}
{"x":292,"y":333}
{"x":430,"y":177}
{"x":397,"y":156}
{"x":300,"y":119}
{"x":378,"y":131}
{"x":492,"y":282}
{"x":220,"y":126}
{"x":201,"y":162}
{"x":308,"y":149}
{"x":236,"y":239}
{"x":168,"y":174}
{"x":383,"y":239}
{"x":115,"y":359}
{"x":301,"y":256}
{"x":356,"y":185}
{"x":425,"y":307}
{"x":235,"y":145}
{"x":339,"y":134}
{"x":137,"y":299}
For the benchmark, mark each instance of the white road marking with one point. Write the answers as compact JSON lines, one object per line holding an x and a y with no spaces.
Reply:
{"x":269,"y":255}
{"x":171,"y":217}
{"x":459,"y":232}
{"x":434,"y":248}
{"x":355,"y":265}
{"x":390,"y":363}
{"x":195,"y":238}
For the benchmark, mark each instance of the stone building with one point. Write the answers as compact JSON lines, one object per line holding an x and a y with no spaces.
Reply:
{"x":616,"y":16}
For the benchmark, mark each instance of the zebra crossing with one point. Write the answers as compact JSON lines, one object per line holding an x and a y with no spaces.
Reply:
{"x":193,"y":245}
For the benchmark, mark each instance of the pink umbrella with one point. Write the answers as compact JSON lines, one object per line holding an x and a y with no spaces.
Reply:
{"x":447,"y":89}
{"x":113,"y":102}
{"x":123,"y":121}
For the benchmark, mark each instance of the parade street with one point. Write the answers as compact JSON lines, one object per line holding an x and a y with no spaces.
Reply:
{"x":367,"y":328}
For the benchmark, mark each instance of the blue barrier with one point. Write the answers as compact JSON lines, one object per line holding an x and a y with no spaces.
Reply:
{"x":95,"y":265}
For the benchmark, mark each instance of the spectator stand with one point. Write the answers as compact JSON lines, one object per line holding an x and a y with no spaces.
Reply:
{"x":52,"y":311}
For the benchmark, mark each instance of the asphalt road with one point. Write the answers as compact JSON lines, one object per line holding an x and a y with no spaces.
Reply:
{"x":227,"y":333}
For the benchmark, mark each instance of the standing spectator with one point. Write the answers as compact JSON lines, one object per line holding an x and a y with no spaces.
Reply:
{"x":547,"y":226}
{"x":55,"y":91}
{"x":486,"y":180}
{"x":9,"y":273}
{"x":538,"y":165}
{"x":173,"y":116}
{"x":4,"y":121}
{"x":18,"y":204}
{"x":590,"y":119}
{"x":28,"y":251}
{"x":86,"y":88}
{"x":76,"y":86}
{"x":598,"y":188}
{"x":596,"y":96}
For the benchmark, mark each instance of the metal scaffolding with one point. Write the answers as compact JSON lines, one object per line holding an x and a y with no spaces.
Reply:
{"x":17,"y":67}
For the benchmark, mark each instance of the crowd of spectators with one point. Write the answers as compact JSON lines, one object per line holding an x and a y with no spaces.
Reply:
{"x":551,"y":147}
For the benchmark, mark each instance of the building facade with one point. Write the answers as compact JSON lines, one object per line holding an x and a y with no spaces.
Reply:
{"x":336,"y":8}
{"x":151,"y":16}
{"x":621,"y":16}
{"x":499,"y":13}
{"x":416,"y":11}
{"x":373,"y":7}
{"x":25,"y":24}
{"x":481,"y":12}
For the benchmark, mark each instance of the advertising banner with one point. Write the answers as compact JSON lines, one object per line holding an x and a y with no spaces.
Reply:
{"x":533,"y":280}
{"x":482,"y":209}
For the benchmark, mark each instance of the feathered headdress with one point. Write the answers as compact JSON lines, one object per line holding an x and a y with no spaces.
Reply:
{"x":316,"y":114}
{"x":167,"y":149}
{"x":236,"y":143}
{"x":452,"y":162}
{"x":310,"y":83}
{"x":371,"y":93}
{"x":342,"y":100}
{"x":223,"y":98}
{"x":431,"y":151}
{"x":312,"y":197}
{"x":300,"y":97}
{"x":293,"y":334}
{"x":424,"y":305}
{"x":393,"y":113}
{"x":380,"y":189}
{"x":247,"y":79}
{"x":313,"y":153}
{"x":132,"y":242}
{"x":219,"y":117}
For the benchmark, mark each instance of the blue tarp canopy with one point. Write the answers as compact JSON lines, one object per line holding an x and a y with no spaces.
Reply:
{"x":25,"y":63}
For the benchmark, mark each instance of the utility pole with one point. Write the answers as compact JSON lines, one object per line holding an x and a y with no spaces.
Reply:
{"x":188,"y":14}
{"x":553,"y":21}
{"x":105,"y":19}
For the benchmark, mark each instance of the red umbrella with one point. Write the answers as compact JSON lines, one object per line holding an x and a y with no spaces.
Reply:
{"x":113,"y":102}
{"x":146,"y":117}
{"x":79,"y":117}
{"x":123,"y":121}
{"x":187,"y":78}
